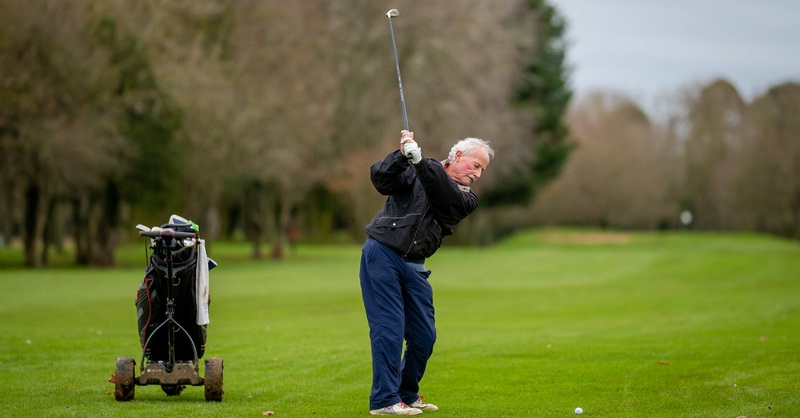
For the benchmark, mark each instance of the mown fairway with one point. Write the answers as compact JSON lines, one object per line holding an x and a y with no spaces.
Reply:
{"x":638,"y":325}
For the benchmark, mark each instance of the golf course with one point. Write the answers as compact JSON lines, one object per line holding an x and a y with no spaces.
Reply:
{"x":620,"y":324}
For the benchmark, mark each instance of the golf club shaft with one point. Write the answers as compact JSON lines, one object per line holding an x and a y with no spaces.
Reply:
{"x":399,"y":78}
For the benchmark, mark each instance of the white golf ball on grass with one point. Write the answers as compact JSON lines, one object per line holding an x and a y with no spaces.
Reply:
{"x":578,"y":411}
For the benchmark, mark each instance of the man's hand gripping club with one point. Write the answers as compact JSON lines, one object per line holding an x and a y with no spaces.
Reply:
{"x":409,"y":147}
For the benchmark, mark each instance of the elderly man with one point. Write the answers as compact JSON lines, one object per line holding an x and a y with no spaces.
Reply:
{"x":426,"y":200}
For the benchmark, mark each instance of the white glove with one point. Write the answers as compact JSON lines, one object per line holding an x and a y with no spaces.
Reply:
{"x":412,"y":151}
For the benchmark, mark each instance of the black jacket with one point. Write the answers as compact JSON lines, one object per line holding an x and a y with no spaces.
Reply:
{"x":423,"y":207}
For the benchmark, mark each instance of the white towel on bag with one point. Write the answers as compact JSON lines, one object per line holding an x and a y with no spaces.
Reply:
{"x":202,"y":283}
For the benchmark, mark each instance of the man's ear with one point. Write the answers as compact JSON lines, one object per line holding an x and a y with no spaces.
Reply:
{"x":458,"y":155}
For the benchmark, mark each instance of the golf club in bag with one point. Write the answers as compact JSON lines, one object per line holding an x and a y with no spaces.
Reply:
{"x":172,"y":312}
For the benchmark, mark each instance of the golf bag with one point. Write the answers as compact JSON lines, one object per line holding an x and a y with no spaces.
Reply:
{"x":151,"y":303}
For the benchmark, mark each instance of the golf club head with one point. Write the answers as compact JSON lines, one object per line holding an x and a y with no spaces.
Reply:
{"x":392,"y":13}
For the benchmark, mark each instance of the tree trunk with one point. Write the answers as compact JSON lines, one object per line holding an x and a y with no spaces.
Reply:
{"x":36,"y":204}
{"x":96,"y":219}
{"x":80,"y":217}
{"x":254,"y":214}
{"x":104,"y":228}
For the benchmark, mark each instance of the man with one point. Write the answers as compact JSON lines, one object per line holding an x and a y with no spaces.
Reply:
{"x":426,"y":200}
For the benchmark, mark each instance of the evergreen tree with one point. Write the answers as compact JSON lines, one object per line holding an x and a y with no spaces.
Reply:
{"x":541,"y":91}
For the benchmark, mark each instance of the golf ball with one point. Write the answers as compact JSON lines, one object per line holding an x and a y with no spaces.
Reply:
{"x":578,"y":410}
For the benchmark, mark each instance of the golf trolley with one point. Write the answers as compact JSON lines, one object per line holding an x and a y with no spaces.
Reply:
{"x":170,"y":334}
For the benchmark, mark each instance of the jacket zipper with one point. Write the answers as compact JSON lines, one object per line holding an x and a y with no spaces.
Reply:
{"x":414,"y":237}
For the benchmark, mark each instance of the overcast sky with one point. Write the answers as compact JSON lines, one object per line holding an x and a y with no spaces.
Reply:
{"x":649,"y":48}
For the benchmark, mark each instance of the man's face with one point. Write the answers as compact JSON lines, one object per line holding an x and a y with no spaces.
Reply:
{"x":465,"y":169}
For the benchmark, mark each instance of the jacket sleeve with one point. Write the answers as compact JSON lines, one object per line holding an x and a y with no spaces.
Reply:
{"x":392,"y":175}
{"x":449,"y":202}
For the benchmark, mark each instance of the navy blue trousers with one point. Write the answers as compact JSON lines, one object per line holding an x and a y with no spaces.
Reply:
{"x":399,"y":304}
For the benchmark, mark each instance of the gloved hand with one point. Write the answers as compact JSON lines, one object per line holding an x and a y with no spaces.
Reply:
{"x":412,"y":151}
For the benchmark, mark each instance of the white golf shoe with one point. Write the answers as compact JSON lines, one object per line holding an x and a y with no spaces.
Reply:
{"x":396,"y":409}
{"x":419,"y":404}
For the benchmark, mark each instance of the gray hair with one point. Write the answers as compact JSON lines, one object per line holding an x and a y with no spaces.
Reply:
{"x":469,"y":146}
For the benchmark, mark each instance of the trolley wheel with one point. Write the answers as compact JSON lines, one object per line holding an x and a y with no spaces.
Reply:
{"x":173,"y":390}
{"x":213,"y":379}
{"x":123,"y":383}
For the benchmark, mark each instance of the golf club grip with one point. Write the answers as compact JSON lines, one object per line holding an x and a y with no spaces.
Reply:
{"x":167,"y":233}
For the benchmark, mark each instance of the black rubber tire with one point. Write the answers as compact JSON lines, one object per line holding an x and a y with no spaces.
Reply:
{"x":124,"y":386}
{"x":213,"y":379}
{"x":173,"y":390}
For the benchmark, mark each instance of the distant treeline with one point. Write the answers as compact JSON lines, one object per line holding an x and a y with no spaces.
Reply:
{"x":730,"y":164}
{"x":259,"y":121}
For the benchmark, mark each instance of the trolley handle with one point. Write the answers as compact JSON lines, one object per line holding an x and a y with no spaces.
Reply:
{"x":167,"y":233}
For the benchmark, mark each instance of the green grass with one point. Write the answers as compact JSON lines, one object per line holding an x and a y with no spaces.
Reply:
{"x":632,"y":325}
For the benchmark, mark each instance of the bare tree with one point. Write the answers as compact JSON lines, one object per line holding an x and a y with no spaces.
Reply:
{"x":768,"y":177}
{"x":314,"y":97}
{"x":717,"y":120}
{"x":619,"y":174}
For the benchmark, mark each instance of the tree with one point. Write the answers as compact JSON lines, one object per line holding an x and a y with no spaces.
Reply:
{"x":311,"y":129}
{"x":768,"y":180}
{"x":149,"y":164}
{"x":189,"y":46}
{"x":716,"y":120}
{"x":620,"y":172}
{"x":542,"y":91}
{"x":58,"y":126}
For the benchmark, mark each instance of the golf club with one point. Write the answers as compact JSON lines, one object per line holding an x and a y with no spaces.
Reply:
{"x":392,"y":14}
